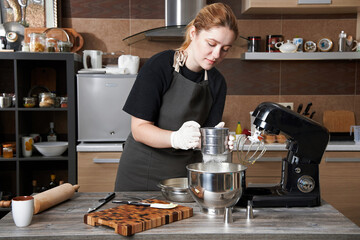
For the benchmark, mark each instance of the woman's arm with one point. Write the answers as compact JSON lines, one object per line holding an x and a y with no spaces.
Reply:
{"x":147,"y":133}
{"x":187,"y":137}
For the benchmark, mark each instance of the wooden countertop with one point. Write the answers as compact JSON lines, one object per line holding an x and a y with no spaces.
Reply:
{"x":65,"y":221}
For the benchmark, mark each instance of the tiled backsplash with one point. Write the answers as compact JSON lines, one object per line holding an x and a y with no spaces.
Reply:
{"x":329,"y":85}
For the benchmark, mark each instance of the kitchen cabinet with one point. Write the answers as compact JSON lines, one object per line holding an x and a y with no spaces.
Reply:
{"x":340,"y":182}
{"x":292,"y":7}
{"x":339,"y":178}
{"x":20,"y":73}
{"x":265,"y":170}
{"x":97,"y":171}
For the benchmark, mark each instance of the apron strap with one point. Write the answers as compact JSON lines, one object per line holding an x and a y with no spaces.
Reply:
{"x":179,"y":61}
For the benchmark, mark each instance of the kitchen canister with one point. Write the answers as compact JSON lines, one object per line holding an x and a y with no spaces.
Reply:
{"x":271,"y":40}
{"x":254,"y":43}
{"x":129,"y":63}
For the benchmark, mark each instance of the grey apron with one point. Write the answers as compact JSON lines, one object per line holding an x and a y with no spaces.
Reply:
{"x":142,"y":167}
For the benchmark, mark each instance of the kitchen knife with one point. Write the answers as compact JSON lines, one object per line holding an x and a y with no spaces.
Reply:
{"x":102,"y":201}
{"x":312,"y":114}
{"x":300,"y":108}
{"x":153,"y":205}
{"x":306,"y":112}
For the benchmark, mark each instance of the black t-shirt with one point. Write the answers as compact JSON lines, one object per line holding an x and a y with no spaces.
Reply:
{"x":154,"y":79}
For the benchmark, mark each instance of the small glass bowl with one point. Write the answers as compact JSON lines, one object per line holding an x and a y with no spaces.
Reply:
{"x":29,"y":102}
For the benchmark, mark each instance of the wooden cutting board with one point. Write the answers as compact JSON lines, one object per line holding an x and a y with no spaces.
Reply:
{"x":129,"y":219}
{"x":338,"y":121}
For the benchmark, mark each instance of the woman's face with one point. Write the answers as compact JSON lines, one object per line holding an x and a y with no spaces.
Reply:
{"x":208,"y":47}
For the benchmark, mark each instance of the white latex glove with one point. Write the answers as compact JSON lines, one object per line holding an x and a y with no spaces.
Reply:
{"x":231,"y":138}
{"x":188,"y":136}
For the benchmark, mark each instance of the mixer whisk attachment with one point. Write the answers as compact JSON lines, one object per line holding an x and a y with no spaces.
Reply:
{"x":250,"y":148}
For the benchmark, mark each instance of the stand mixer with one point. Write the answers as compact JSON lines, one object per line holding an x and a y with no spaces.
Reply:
{"x":306,"y":144}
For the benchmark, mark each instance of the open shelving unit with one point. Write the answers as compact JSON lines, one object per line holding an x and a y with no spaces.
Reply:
{"x":19,"y":73}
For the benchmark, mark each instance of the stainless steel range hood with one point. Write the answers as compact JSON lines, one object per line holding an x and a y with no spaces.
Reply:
{"x":178,"y":13}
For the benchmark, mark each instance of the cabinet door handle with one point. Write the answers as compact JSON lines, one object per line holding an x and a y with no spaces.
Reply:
{"x":341,"y":160}
{"x":106,"y":160}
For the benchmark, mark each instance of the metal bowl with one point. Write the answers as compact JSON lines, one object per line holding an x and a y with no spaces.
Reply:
{"x":215,"y":185}
{"x":176,"y":189}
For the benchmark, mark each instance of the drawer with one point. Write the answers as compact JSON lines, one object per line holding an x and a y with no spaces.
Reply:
{"x":97,"y":171}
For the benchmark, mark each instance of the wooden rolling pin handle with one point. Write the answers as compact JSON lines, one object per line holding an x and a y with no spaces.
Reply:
{"x":54,"y":196}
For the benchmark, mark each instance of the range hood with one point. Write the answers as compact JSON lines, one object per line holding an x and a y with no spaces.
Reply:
{"x":178,"y":13}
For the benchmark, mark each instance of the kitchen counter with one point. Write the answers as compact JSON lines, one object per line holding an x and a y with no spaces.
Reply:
{"x":100,"y":147}
{"x":118,"y":147}
{"x":331,"y":147}
{"x":65,"y":221}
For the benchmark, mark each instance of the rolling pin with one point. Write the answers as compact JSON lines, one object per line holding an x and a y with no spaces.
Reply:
{"x":54,"y":196}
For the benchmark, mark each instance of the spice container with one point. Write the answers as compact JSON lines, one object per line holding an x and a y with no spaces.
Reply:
{"x":64,"y":46}
{"x":57,"y":102}
{"x":63,"y":102}
{"x":50,"y":45}
{"x":47,"y":99}
{"x":37,"y":42}
{"x":29,"y":102}
{"x":7,"y":151}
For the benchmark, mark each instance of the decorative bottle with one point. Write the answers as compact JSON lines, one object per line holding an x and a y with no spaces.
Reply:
{"x":51,"y":137}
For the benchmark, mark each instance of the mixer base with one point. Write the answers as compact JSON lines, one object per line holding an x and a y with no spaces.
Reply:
{"x":275,"y":197}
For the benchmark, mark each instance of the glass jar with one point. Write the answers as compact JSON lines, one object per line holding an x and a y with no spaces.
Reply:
{"x":7,"y":151}
{"x":25,"y":47}
{"x":37,"y":42}
{"x":29,"y":102}
{"x":50,"y":46}
{"x":63,"y":102}
{"x":47,"y":99}
{"x":64,"y":46}
{"x":57,"y":102}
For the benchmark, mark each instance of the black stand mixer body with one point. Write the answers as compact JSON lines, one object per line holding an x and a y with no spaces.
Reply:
{"x":307,"y":141}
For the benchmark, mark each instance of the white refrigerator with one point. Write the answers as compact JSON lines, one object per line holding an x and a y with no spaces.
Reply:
{"x":100,"y":99}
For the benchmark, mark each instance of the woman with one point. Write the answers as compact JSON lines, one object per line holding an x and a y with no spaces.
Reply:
{"x":174,"y":94}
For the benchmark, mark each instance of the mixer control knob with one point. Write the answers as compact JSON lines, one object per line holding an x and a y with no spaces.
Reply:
{"x":306,"y":184}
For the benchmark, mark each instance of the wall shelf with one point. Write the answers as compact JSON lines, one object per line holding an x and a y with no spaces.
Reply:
{"x":292,"y":7}
{"x":301,"y":56}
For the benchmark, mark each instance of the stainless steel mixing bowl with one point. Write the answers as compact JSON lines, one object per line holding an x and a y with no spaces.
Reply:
{"x":176,"y":189}
{"x":215,"y":185}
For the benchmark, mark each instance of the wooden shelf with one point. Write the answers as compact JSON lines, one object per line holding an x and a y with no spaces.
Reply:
{"x":292,"y":7}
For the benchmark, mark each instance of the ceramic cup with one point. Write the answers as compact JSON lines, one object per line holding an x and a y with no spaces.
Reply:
{"x":300,"y":43}
{"x":22,"y":210}
{"x":27,"y":146}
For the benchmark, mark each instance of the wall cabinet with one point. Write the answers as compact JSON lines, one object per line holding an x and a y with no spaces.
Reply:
{"x":292,"y":7}
{"x":24,"y":73}
{"x":97,"y":171}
